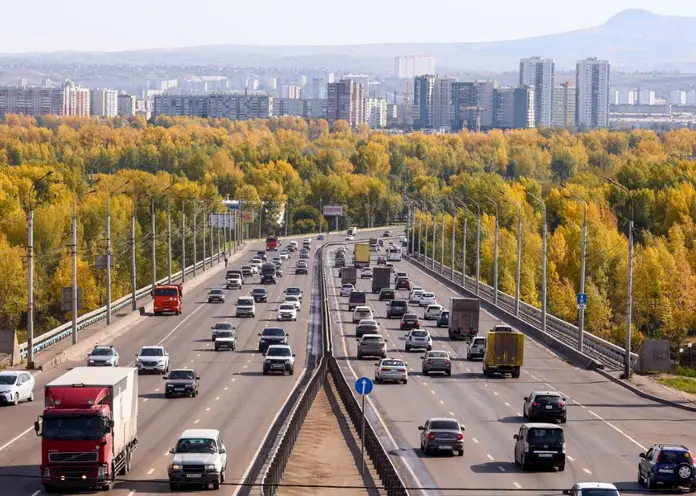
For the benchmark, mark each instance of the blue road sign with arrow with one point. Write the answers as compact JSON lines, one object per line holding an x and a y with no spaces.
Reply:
{"x":582,"y":298}
{"x":364,"y":386}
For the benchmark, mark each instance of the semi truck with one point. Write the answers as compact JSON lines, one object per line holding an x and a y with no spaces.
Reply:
{"x":504,"y":352}
{"x":381,"y":277}
{"x":464,"y":318}
{"x":362,"y":255}
{"x":167,"y":298}
{"x":349,"y":275}
{"x":89,"y":428}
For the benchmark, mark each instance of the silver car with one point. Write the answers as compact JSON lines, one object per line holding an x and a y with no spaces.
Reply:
{"x":16,"y":386}
{"x":200,"y":457}
{"x":436,"y":361}
{"x":442,"y":435}
{"x":372,"y":345}
{"x":103,"y":356}
{"x":221,"y":326}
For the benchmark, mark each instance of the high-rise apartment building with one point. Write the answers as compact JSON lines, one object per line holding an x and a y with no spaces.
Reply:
{"x":104,"y":103}
{"x":126,"y":105}
{"x":346,"y":101}
{"x":307,"y":108}
{"x":624,"y":97}
{"x":442,"y":111}
{"x":235,"y":106}
{"x":564,"y":105}
{"x":513,"y":107}
{"x":592,"y":92}
{"x":646,"y":97}
{"x":410,"y":66}
{"x":77,"y":100}
{"x":376,"y":112}
{"x":291,"y":91}
{"x":31,"y":100}
{"x":423,"y":87}
{"x":677,"y":97}
{"x":473,"y":104}
{"x":539,"y":73}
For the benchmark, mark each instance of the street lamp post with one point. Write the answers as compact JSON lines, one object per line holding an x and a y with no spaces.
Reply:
{"x":427,"y":225}
{"x":453,"y":242}
{"x":183,"y":241}
{"x":495,"y":251}
{"x":74,"y":263}
{"x":153,"y":235}
{"x":544,"y":231}
{"x":134,"y":274}
{"x":518,"y":265}
{"x":464,"y":238}
{"x":432,"y":258}
{"x":583,"y":248}
{"x":478,"y":245}
{"x":195,"y":236}
{"x":108,"y":252}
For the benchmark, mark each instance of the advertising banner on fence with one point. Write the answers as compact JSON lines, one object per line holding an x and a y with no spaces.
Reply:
{"x":333,"y":210}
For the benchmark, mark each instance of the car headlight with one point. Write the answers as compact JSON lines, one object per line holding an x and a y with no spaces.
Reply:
{"x":210,"y":466}
{"x":288,"y":362}
{"x":91,"y":360}
{"x":175,"y":466}
{"x":266,"y":361}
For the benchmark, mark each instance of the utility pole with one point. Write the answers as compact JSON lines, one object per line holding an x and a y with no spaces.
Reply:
{"x":210,"y":231}
{"x":74,"y":272}
{"x":153,"y":237}
{"x":204,"y":235}
{"x":442,"y":243}
{"x":261,"y":219}
{"x":478,"y":245}
{"x":432,"y":258}
{"x":183,"y":241}
{"x":218,"y":244}
{"x":287,"y":217}
{"x":453,"y":246}
{"x":495,"y":255}
{"x":544,"y":231}
{"x":518,"y":266}
{"x":134,"y":282}
{"x":321,"y":213}
{"x":108,"y":261}
{"x":195,"y":235}
{"x":466,"y":225}
{"x":169,"y":240}
{"x":427,"y":223}
{"x":583,"y":247}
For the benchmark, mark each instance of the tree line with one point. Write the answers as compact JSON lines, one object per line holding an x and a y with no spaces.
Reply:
{"x":303,"y":164}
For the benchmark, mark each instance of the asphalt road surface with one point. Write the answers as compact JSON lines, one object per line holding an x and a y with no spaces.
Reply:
{"x":234,"y":396}
{"x":606,"y":430}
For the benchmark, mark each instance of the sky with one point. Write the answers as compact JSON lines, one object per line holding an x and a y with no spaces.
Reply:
{"x":103,"y":25}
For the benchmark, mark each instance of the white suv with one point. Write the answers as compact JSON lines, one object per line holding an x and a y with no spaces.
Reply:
{"x":418,"y":339}
{"x":361,"y":313}
{"x":287,"y":311}
{"x":193,"y":446}
{"x":152,"y":359}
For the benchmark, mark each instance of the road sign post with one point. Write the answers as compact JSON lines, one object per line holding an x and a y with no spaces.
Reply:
{"x":582,"y":300}
{"x":364,"y":387}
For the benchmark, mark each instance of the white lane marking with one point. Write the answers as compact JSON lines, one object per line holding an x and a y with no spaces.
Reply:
{"x":619,"y":431}
{"x":131,"y":493}
{"x":217,"y":398}
{"x":501,"y":468}
{"x":519,"y":414}
{"x":586,"y":471}
{"x":442,"y":402}
{"x":198,"y":354}
{"x":207,"y":409}
{"x":432,"y":391}
{"x":196,"y":421}
{"x":451,"y":414}
{"x":13,"y":440}
{"x":166,"y":453}
{"x":534,"y":377}
{"x":245,"y":366}
{"x":151,"y":471}
{"x":468,"y":371}
{"x":495,"y":393}
{"x":474,"y":440}
{"x":226,"y":388}
{"x":489,"y":456}
{"x":517,"y":486}
{"x":570,"y":458}
{"x":234,"y":379}
{"x":144,"y":400}
{"x":191,"y":361}
{"x":157,"y":390}
{"x":507,"y":404}
{"x":35,"y":493}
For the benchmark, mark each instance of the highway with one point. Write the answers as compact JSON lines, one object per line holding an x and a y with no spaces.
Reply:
{"x":607,"y":426}
{"x":234,"y":396}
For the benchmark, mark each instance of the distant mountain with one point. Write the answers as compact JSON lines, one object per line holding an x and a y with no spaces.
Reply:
{"x":632,"y":40}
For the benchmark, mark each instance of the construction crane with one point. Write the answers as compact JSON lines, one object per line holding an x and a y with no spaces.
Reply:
{"x":478,"y":109}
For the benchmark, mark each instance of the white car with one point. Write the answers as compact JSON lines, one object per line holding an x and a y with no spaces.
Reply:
{"x":347,"y":289}
{"x":279,"y":358}
{"x":152,"y":359}
{"x":349,"y":238}
{"x":254,"y":268}
{"x":391,"y":369}
{"x":277,"y":260}
{"x":414,"y":295}
{"x":284,"y":255}
{"x":366,"y":273}
{"x":427,"y":298}
{"x":295,"y":291}
{"x":16,"y":386}
{"x":418,"y":339}
{"x":246,"y":307}
{"x":295,"y":300}
{"x":287,"y":311}
{"x":361,"y":313}
{"x":592,"y":488}
{"x":257,"y":262}
{"x":432,"y":312}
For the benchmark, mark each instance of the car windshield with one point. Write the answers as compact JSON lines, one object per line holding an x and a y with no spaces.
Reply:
{"x":224,"y":334}
{"x":8,"y":379}
{"x":246,"y":267}
{"x":347,"y":286}
{"x":600,"y":492}
{"x":181,"y":374}
{"x":152,"y":352}
{"x":102,"y":352}
{"x":259,"y":291}
{"x":428,"y":295}
{"x":195,"y":446}
{"x":398,"y":303}
{"x":667,"y":456}
{"x":292,"y":298}
{"x":166,"y":292}
{"x":274,"y":331}
{"x":392,"y":363}
{"x":78,"y":427}
{"x":280,"y":352}
{"x":548,"y":436}
{"x":287,"y":307}
{"x":479,"y":341}
{"x":372,"y":339}
{"x":293,"y":291}
{"x":387,"y":291}
{"x":245,"y":301}
{"x":217,"y":291}
{"x":437,"y":354}
{"x":419,"y":334}
{"x":409,"y":316}
{"x":434,"y":308}
{"x":224,"y":325}
{"x":450,"y":425}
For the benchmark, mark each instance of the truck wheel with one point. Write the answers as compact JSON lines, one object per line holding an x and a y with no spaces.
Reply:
{"x":49,"y":489}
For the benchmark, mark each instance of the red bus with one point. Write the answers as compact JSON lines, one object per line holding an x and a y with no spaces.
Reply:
{"x":272,"y":243}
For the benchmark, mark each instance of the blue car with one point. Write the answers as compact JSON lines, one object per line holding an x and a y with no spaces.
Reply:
{"x":667,"y":466}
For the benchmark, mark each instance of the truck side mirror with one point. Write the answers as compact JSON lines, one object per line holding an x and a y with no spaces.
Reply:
{"x":37,"y":428}
{"x":515,"y":436}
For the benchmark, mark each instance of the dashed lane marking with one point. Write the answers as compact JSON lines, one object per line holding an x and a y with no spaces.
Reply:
{"x":517,"y":486}
{"x":217,"y":398}
{"x":35,"y":493}
{"x":501,"y":468}
{"x":442,"y":402}
{"x":495,"y":393}
{"x":570,"y":458}
{"x":451,"y":414}
{"x":586,"y":471}
{"x":151,"y":471}
{"x":207,"y":409}
{"x":507,"y":404}
{"x":157,"y":390}
{"x":226,"y":388}
{"x":196,"y":421}
{"x":489,"y":456}
{"x":144,"y":399}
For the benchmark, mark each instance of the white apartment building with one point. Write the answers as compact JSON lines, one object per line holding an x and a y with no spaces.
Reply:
{"x":646,"y":97}
{"x":126,"y":105}
{"x":77,"y":100}
{"x":410,"y":66}
{"x":624,"y":97}
{"x":539,"y":74}
{"x":376,"y":112}
{"x":677,"y":97}
{"x":291,"y":91}
{"x":441,"y":109}
{"x":592,"y":92}
{"x":104,"y":103}
{"x":564,"y":105}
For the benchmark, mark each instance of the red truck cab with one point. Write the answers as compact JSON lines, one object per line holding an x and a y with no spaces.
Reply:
{"x":272,"y":243}
{"x":167,"y":299}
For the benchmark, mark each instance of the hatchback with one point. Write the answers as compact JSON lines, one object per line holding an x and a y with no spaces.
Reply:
{"x":427,"y":298}
{"x":362,"y":312}
{"x":347,"y":289}
{"x":386,"y":294}
{"x":366,"y":326}
{"x":432,"y":312}
{"x":418,"y":339}
{"x":545,"y":405}
{"x":16,"y":386}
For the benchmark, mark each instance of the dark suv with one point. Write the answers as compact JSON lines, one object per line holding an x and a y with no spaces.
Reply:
{"x":545,"y":405}
{"x":397,"y":308}
{"x":356,"y":299}
{"x":668,"y":466}
{"x":540,"y":445}
{"x":402,"y":283}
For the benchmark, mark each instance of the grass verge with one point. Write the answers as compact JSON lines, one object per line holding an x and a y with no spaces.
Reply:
{"x":685,"y":384}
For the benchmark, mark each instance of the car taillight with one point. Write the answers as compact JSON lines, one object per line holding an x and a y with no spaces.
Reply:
{"x":447,"y":362}
{"x":431,"y":435}
{"x":691,"y":457}
{"x":562,"y":404}
{"x":659,"y":458}
{"x":384,"y":370}
{"x":535,"y":404}
{"x":460,"y":436}
{"x":402,"y":370}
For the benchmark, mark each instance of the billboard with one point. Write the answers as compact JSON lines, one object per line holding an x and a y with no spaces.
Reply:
{"x":333,"y":210}
{"x":221,"y":220}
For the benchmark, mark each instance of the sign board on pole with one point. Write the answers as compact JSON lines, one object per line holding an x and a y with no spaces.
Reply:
{"x":67,"y":299}
{"x":220,"y":220}
{"x":582,"y":300}
{"x":364,"y":386}
{"x":247,"y":216}
{"x":331,"y":210}
{"x":101,"y":262}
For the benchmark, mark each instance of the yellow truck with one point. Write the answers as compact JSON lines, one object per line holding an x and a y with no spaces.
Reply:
{"x":504,"y":352}
{"x":362,"y":255}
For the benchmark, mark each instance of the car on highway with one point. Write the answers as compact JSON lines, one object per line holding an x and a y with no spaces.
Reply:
{"x":304,"y":254}
{"x":443,"y":318}
{"x":427,"y":298}
{"x":386,"y":234}
{"x":401,"y":273}
{"x":545,"y":405}
{"x":279,"y":358}
{"x":593,"y":489}
{"x":301,"y":268}
{"x":293,"y":291}
{"x":396,"y":308}
{"x":234,"y":282}
{"x":402,"y":283}
{"x":257,"y":263}
{"x":152,"y":359}
{"x":220,"y":326}
{"x":277,"y":260}
{"x":436,"y":361}
{"x":279,"y":272}
{"x":414,"y":295}
{"x":432,"y":312}
{"x":418,"y":339}
{"x":271,"y":336}
{"x":284,"y":255}
{"x":539,"y":445}
{"x":372,"y":345}
{"x":386,"y":294}
{"x":261,"y":254}
{"x":476,"y":348}
{"x":366,"y":273}
{"x":294,"y":300}
{"x":391,"y":370}
{"x":350,"y":238}
{"x":339,"y":263}
{"x":260,"y":295}
{"x":367,"y":326}
{"x":16,"y":386}
{"x":409,"y":321}
{"x":181,"y":382}
{"x":199,"y":455}
{"x":286,"y":311}
{"x":381,"y":260}
{"x":226,"y":340}
{"x":346,"y":290}
{"x":246,"y":307}
{"x":668,"y":466}
{"x":233,"y":273}
{"x":216,"y":296}
{"x":442,"y":435}
{"x":247,"y":271}
{"x":103,"y":356}
{"x":321,"y":237}
{"x":362,"y":312}
{"x":356,"y":299}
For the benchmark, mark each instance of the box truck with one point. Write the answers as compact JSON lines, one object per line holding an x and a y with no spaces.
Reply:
{"x":349,"y":275}
{"x":504,"y":352}
{"x":464,"y":318}
{"x":89,"y":428}
{"x":381,"y":277}
{"x":362,"y":255}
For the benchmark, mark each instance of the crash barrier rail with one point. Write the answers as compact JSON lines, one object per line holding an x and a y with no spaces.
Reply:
{"x":594,"y":346}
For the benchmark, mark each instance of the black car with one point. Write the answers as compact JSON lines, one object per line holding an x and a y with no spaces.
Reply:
{"x":443,"y":319}
{"x":340,"y":262}
{"x":181,"y":382}
{"x":272,"y":335}
{"x":403,"y":283}
{"x":397,"y":308}
{"x":387,"y":294}
{"x":545,"y":405}
{"x":260,"y":295}
{"x":356,"y":299}
{"x":540,"y":445}
{"x":409,"y":321}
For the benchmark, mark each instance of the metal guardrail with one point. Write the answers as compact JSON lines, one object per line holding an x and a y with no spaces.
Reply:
{"x":596,"y":347}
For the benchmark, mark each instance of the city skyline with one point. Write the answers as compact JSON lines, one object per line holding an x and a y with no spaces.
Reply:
{"x":176,"y":26}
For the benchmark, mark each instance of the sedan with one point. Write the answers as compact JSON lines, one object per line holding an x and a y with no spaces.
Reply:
{"x":301,"y":269}
{"x":391,"y":370}
{"x":221,"y":326}
{"x":432,"y":312}
{"x":16,"y":386}
{"x":260,"y":295}
{"x":427,"y":298}
{"x":287,"y":311}
{"x":294,"y":300}
{"x":216,"y":295}
{"x":181,"y":382}
{"x":414,"y":296}
{"x":436,"y":361}
{"x":366,"y":326}
{"x":347,"y":289}
{"x":366,"y":273}
{"x":409,"y":321}
{"x":441,"y":435}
